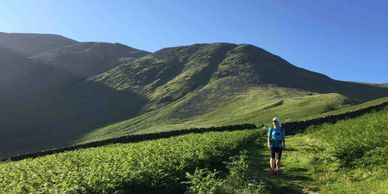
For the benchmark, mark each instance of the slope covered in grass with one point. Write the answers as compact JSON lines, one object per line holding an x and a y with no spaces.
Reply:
{"x":151,"y":166}
{"x":353,"y":154}
{"x":215,"y":84}
{"x":348,"y":156}
{"x":169,"y":74}
{"x":55,"y":91}
{"x":351,"y":108}
{"x":255,"y":105}
{"x":345,"y":157}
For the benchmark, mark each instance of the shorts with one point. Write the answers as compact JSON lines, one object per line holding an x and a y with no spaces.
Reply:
{"x":277,"y":151}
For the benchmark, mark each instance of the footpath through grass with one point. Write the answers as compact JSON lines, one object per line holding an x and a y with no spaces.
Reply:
{"x":295,"y":175}
{"x":349,"y":156}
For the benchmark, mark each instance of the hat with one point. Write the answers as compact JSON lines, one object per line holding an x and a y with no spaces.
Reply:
{"x":276,"y":119}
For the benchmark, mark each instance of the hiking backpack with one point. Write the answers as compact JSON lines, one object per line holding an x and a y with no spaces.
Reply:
{"x":276,"y":135}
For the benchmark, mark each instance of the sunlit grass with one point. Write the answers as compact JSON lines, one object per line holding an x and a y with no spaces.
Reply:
{"x":255,"y":105}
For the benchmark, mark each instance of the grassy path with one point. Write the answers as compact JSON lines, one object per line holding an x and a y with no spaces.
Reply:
{"x":295,"y":176}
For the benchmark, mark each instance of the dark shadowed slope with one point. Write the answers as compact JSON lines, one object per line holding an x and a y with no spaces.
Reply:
{"x":87,"y":58}
{"x":46,"y":100}
{"x":33,"y":44}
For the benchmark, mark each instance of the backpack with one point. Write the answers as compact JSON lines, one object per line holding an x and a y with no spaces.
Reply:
{"x":276,"y":135}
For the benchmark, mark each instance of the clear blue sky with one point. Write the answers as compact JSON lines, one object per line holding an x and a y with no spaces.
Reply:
{"x":344,"y":39}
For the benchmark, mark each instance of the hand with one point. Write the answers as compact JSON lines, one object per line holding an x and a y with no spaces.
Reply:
{"x":269,"y":147}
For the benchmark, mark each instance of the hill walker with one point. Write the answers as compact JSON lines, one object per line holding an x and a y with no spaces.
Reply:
{"x":276,"y":143}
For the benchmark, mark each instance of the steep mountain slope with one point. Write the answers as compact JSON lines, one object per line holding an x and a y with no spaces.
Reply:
{"x":221,"y":83}
{"x":69,"y":92}
{"x":87,"y":58}
{"x":173,"y":72}
{"x":46,"y":100}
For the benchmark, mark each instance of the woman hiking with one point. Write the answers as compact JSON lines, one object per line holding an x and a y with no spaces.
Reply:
{"x":276,"y":143}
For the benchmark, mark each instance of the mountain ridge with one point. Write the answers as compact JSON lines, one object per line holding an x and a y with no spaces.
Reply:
{"x":242,"y":77}
{"x":260,"y":71}
{"x":82,"y":91}
{"x":30,"y":44}
{"x":46,"y":100}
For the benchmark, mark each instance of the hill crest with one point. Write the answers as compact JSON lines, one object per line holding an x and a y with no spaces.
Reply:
{"x":87,"y":90}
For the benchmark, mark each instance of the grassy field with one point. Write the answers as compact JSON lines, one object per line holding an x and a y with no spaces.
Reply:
{"x":254,"y":105}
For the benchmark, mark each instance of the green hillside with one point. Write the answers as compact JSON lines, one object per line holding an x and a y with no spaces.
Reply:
{"x":206,"y":85}
{"x":336,"y":157}
{"x":348,"y":157}
{"x":349,"y":108}
{"x":328,"y":158}
{"x":256,"y":105}
{"x":68,"y":92}
{"x":169,"y":74}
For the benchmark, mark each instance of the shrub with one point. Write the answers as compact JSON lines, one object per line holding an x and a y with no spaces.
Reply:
{"x":204,"y":181}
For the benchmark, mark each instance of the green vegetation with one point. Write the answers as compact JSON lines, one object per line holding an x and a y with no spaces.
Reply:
{"x":353,"y":154}
{"x":295,"y":175}
{"x":350,"y":108}
{"x":57,"y":92}
{"x":159,"y":165}
{"x":254,"y":105}
{"x":237,"y":179}
{"x":346,"y":157}
{"x":217,"y":84}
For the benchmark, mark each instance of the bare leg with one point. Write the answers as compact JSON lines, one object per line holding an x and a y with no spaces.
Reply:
{"x":277,"y":165}
{"x":271,"y":163}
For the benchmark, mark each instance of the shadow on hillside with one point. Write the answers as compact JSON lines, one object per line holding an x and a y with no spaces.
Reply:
{"x":322,"y":84}
{"x":290,"y":76}
{"x":64,"y":115}
{"x":357,"y":91}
